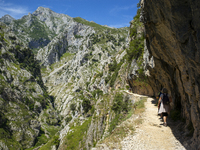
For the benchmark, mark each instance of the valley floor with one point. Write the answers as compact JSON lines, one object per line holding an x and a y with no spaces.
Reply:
{"x":149,"y":135}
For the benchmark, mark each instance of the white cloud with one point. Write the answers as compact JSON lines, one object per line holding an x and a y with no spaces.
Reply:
{"x":15,"y":11}
{"x":120,"y":25}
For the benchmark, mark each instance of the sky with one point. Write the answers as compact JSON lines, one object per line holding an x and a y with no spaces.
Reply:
{"x":114,"y":13}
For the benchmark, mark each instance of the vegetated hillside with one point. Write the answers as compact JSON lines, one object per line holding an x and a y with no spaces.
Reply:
{"x":171,"y":59}
{"x":26,"y":110}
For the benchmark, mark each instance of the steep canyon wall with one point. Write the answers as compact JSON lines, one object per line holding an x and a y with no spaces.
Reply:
{"x":172,"y":31}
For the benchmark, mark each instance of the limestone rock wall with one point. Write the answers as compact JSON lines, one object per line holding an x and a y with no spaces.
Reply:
{"x":172,"y":31}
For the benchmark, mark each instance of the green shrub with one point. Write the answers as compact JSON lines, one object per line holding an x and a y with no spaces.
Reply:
{"x":86,"y":105}
{"x":78,"y":36}
{"x":113,"y":78}
{"x":117,"y":103}
{"x":136,"y":49}
{"x":92,"y":109}
{"x":100,"y":74}
{"x":97,"y":92}
{"x":17,"y":47}
{"x":68,"y":119}
{"x":31,"y":106}
{"x":73,"y":107}
{"x":120,"y":103}
{"x":133,"y":32}
{"x":136,"y":46}
{"x":56,"y":141}
{"x":114,"y":123}
{"x":113,"y":66}
{"x":41,"y":139}
{"x":75,"y":140}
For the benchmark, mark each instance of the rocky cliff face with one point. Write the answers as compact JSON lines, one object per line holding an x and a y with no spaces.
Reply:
{"x":26,"y":110}
{"x":172,"y":42}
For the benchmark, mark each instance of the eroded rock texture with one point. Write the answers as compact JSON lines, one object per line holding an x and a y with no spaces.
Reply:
{"x":172,"y":31}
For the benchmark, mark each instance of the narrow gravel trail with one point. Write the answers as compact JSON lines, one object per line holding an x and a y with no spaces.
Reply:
{"x":151,"y":134}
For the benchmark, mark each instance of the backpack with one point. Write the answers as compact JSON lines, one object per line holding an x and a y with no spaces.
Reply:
{"x":165,"y":99}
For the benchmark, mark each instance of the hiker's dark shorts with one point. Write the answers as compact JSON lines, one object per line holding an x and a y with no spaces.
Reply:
{"x":165,"y":114}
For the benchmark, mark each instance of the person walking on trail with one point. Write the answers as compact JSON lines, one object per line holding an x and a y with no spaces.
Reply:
{"x":164,"y":103}
{"x":159,"y":97}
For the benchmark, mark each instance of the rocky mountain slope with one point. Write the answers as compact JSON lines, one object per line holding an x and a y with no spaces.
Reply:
{"x":83,"y":68}
{"x":171,"y":58}
{"x":26,"y":110}
{"x":80,"y":68}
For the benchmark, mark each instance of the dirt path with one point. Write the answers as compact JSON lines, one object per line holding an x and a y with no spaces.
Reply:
{"x":151,"y":134}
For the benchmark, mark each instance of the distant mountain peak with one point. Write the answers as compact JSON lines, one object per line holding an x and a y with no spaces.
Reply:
{"x":7,"y":19}
{"x":42,"y":10}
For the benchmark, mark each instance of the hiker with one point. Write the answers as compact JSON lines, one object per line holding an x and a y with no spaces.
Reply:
{"x":164,"y":103}
{"x":159,"y":104}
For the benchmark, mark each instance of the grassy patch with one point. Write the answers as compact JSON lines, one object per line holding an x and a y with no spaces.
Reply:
{"x":66,"y":55}
{"x":52,"y":130}
{"x":139,"y":106}
{"x":54,"y":141}
{"x":75,"y":139}
{"x":49,"y":142}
